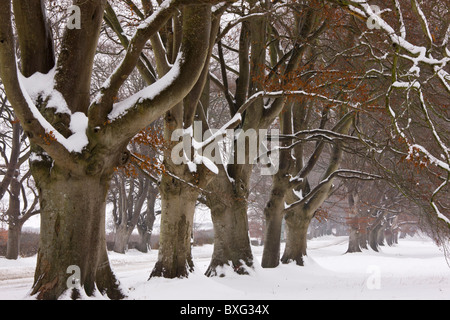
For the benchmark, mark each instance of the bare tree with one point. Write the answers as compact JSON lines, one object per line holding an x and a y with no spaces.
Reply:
{"x":23,"y":200}
{"x":409,"y":44}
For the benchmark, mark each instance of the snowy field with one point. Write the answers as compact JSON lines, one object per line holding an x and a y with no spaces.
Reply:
{"x":413,"y":269}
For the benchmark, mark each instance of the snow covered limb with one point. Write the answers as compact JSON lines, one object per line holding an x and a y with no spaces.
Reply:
{"x":109,"y":123}
{"x":341,"y":173}
{"x":32,"y":121}
{"x":127,"y":117}
{"x":316,"y":196}
{"x":102,"y":106}
{"x":345,"y":121}
{"x":417,"y":54}
{"x":313,"y":134}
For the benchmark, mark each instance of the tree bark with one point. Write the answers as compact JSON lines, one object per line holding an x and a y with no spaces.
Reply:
{"x":73,"y":234}
{"x":177,"y":217}
{"x":228,"y":204}
{"x":34,"y":36}
{"x":296,"y":238}
{"x":363,"y":239}
{"x":145,"y":226}
{"x":13,"y":244}
{"x":272,"y":240}
{"x":354,"y":234}
{"x":354,"y":241}
{"x":121,"y":238}
{"x":374,"y":237}
{"x":14,"y":222}
{"x":231,"y":240}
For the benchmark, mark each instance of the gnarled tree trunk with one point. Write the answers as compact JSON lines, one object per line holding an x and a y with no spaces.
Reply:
{"x":228,"y":204}
{"x":73,"y":234}
{"x":272,"y":239}
{"x":231,"y":240}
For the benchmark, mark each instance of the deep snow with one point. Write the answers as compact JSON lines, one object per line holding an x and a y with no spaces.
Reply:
{"x":413,"y":269}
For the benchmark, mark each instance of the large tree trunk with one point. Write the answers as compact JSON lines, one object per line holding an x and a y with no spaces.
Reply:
{"x":121,"y":238}
{"x":374,"y":237}
{"x":228,"y":204}
{"x":296,"y":238}
{"x":178,"y":201}
{"x":73,"y":234}
{"x":231,"y":240}
{"x":363,"y":239}
{"x":272,"y":241}
{"x":354,"y":241}
{"x":144,"y":240}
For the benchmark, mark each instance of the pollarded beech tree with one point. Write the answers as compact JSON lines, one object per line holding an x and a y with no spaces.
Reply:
{"x":77,"y":142}
{"x":181,"y":182}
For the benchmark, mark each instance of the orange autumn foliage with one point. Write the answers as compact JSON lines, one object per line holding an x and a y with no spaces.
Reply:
{"x":149,"y":138}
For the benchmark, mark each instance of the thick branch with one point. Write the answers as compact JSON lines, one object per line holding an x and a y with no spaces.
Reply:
{"x":35,"y":39}
{"x":318,"y":194}
{"x":76,"y":59}
{"x":30,"y":118}
{"x":135,"y":113}
{"x":99,"y":110}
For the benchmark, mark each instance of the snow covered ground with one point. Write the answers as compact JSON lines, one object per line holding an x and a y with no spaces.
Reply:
{"x":413,"y":269}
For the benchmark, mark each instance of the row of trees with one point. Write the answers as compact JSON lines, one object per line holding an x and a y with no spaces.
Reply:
{"x":357,"y":95}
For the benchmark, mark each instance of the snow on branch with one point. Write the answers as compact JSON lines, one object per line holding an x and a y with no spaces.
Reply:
{"x":18,"y":89}
{"x":421,"y":56}
{"x":341,"y":173}
{"x":147,"y":93}
{"x":42,"y":86}
{"x":295,"y":93}
{"x":416,"y":53}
